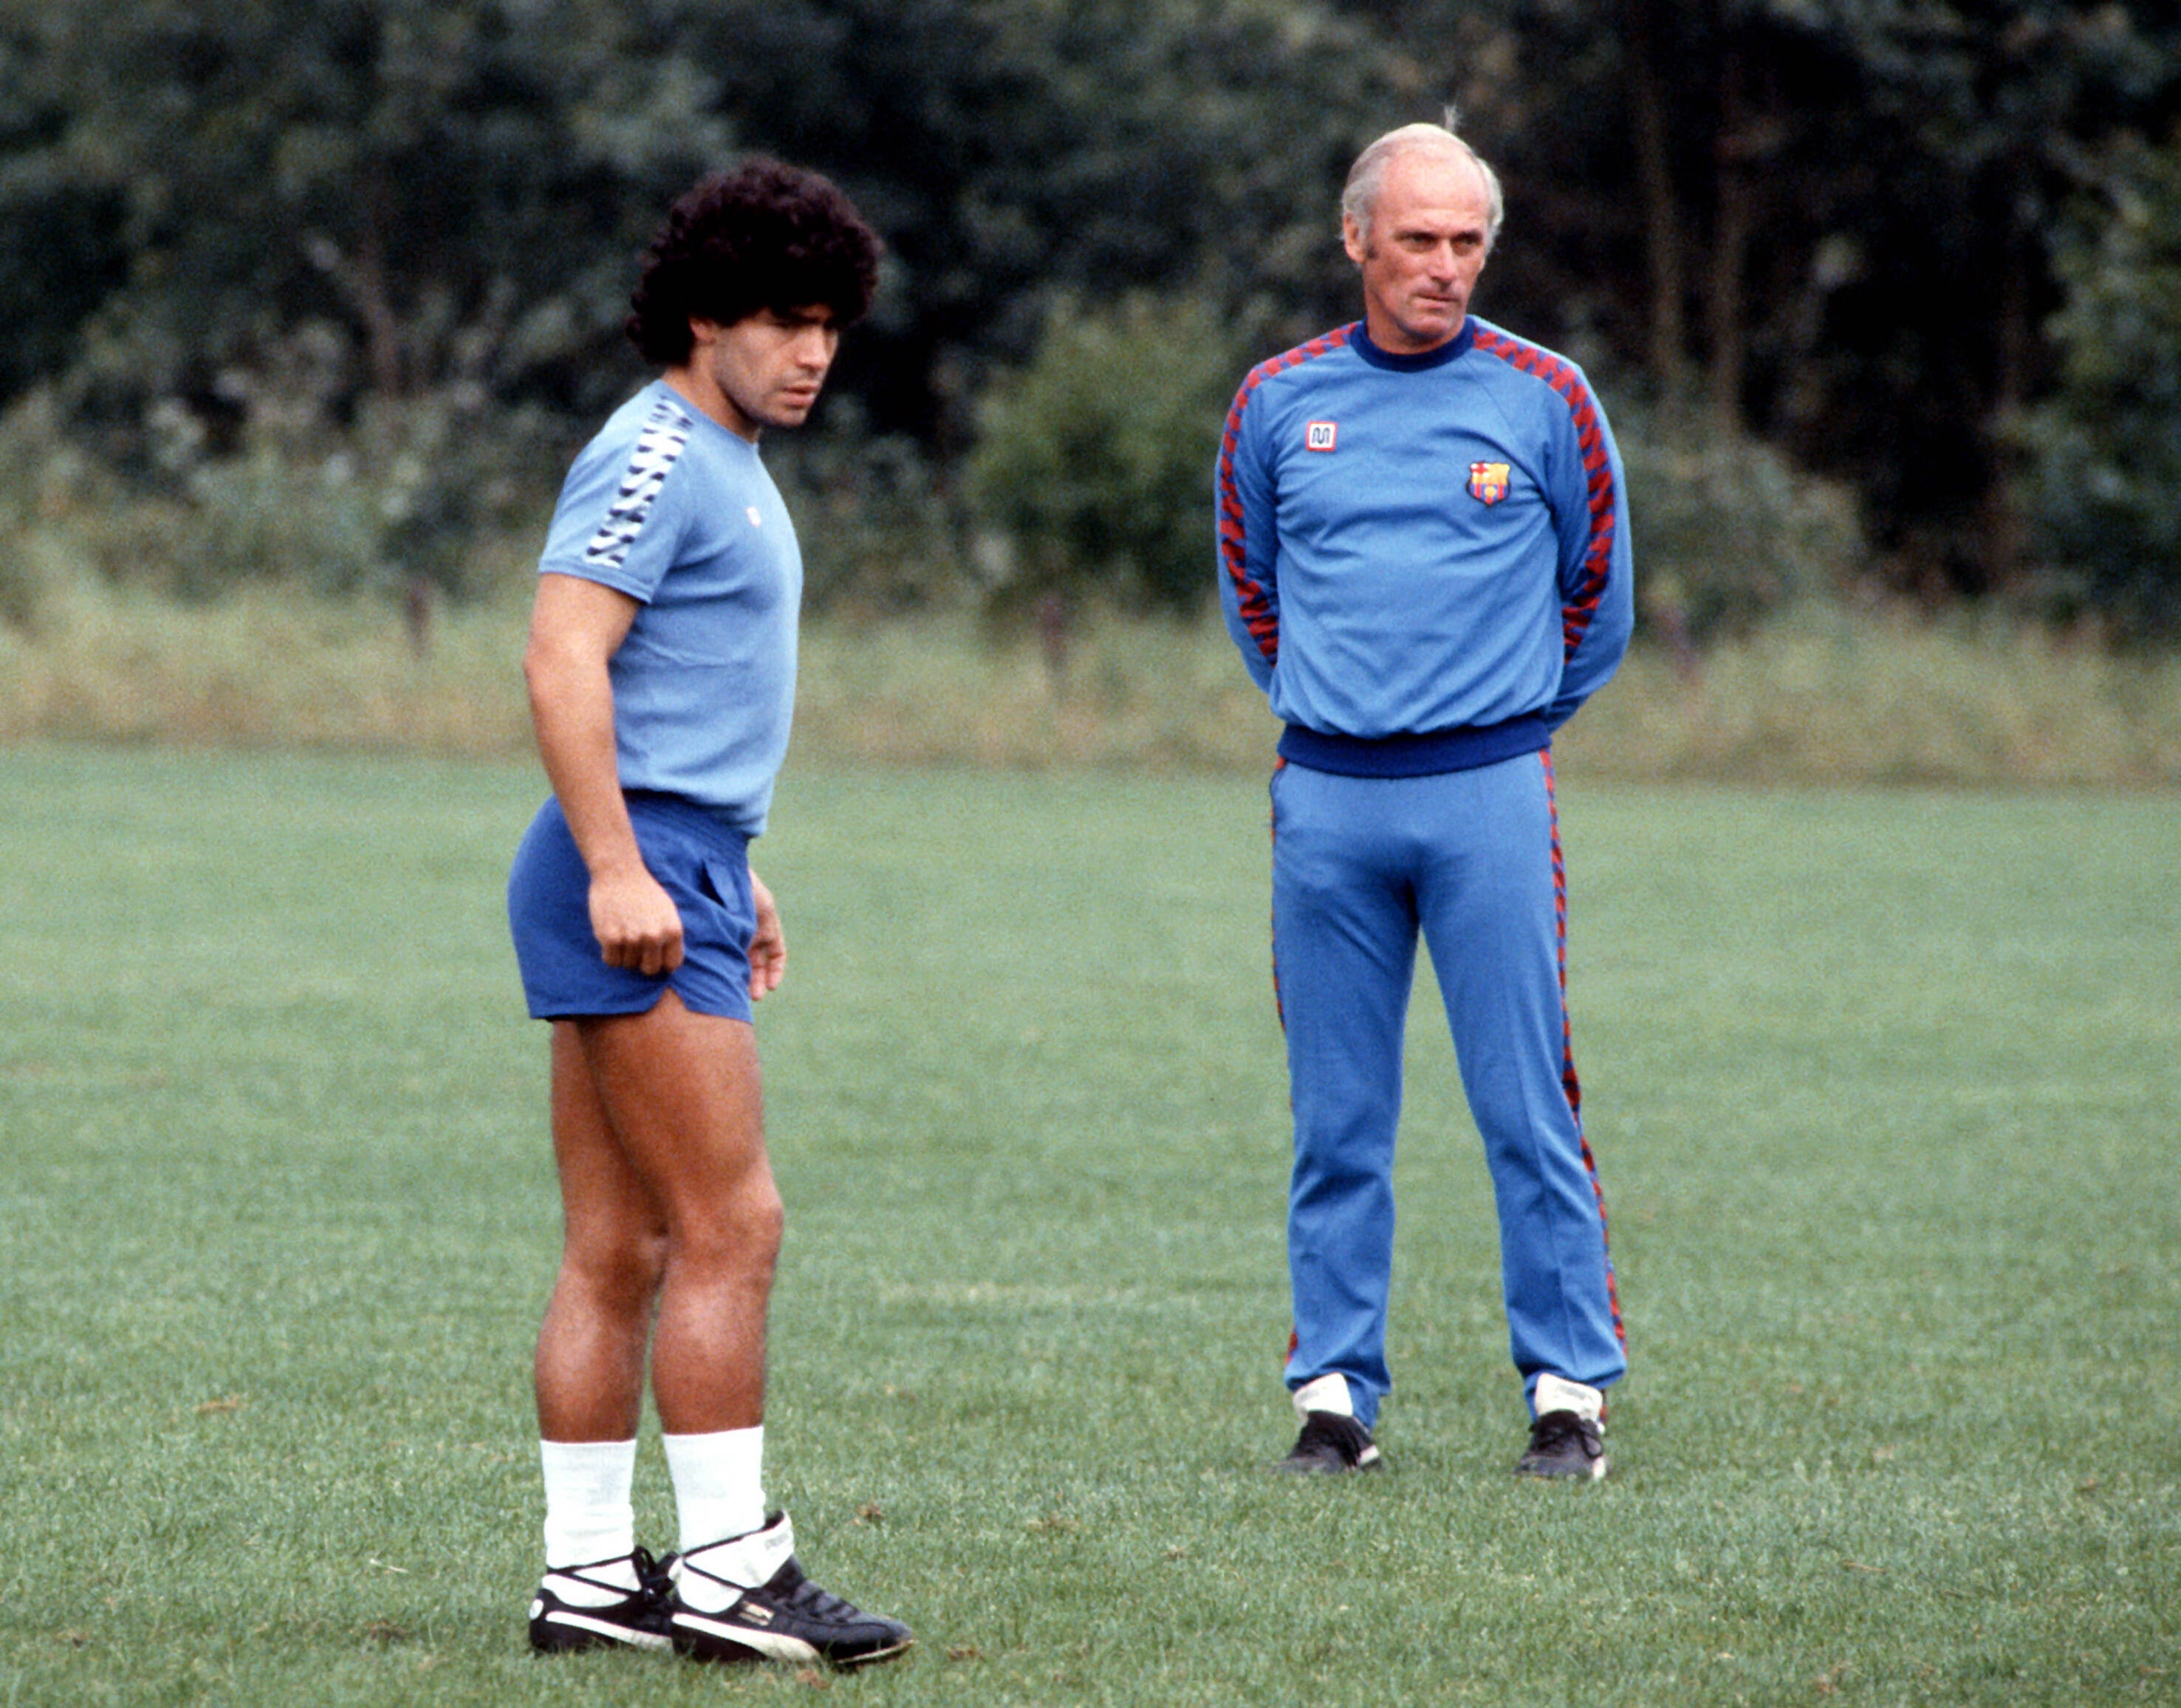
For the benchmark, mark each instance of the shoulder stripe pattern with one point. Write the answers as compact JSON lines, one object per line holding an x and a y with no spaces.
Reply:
{"x":1598,"y":469}
{"x":1258,"y":616}
{"x":658,"y":448}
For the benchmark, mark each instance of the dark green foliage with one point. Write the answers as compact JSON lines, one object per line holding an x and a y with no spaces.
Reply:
{"x":1095,"y":460}
{"x":404,"y":197}
{"x":1829,"y":225}
{"x":1728,"y":534}
{"x":1835,"y":228}
{"x":1018,"y":153}
{"x":878,"y":535}
{"x":1907,"y":189}
{"x":2106,"y":449}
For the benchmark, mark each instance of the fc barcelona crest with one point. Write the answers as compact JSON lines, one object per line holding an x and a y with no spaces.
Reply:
{"x":1487,"y":482}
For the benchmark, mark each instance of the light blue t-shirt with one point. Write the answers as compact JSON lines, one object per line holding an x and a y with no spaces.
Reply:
{"x":667,"y":506}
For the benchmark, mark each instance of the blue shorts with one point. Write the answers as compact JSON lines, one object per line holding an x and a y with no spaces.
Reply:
{"x":702,"y":864}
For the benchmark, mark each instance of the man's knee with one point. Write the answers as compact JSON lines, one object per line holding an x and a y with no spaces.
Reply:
{"x":740,"y":1232}
{"x":621,"y":1272}
{"x":760,"y":1226}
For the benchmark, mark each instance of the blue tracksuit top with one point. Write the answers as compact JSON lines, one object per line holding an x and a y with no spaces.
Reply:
{"x":1430,"y":547}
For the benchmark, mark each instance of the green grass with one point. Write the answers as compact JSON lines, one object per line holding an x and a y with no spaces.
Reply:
{"x":1882,"y":1085}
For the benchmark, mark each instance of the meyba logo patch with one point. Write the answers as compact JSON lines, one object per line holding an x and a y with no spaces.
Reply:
{"x":1487,"y":482}
{"x":1319,"y":436}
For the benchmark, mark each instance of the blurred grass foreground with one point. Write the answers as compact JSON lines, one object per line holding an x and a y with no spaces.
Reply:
{"x":1823,"y":693}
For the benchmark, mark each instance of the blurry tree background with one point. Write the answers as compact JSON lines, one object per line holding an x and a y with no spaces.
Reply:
{"x":1885,"y":295}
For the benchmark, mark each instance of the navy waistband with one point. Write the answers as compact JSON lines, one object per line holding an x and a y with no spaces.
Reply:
{"x":1426,"y":755}
{"x":694,"y":818}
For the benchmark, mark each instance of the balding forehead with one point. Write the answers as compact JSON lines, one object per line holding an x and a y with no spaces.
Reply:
{"x":1407,"y":153}
{"x":1429,"y":145}
{"x":1413,"y":159}
{"x":1425,"y":177}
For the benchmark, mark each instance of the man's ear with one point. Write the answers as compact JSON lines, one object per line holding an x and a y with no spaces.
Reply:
{"x":1351,"y":238}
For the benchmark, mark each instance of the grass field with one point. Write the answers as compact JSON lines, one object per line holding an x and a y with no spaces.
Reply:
{"x":1883,"y":1086}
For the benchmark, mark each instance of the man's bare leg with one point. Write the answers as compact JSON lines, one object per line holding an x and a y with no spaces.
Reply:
{"x":658,"y":1131}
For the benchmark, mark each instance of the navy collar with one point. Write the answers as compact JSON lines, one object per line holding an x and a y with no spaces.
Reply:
{"x":1394,"y":363}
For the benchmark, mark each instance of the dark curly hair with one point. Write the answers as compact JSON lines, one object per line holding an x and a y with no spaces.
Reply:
{"x":765,"y":236}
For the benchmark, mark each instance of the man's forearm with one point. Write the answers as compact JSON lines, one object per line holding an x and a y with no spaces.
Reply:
{"x":572,"y":712}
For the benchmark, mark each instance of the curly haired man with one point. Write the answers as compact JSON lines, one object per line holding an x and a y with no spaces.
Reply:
{"x":661,"y":673}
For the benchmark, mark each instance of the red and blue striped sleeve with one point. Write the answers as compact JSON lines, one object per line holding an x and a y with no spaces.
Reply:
{"x":1246,"y":508}
{"x":1590,"y":508}
{"x":1248,"y":550}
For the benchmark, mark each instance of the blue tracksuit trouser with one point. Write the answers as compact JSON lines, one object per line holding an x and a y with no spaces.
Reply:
{"x":1471,"y":860}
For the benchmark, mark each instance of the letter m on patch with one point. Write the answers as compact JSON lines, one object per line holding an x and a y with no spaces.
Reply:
{"x":1487,"y":482}
{"x":1319,"y":435}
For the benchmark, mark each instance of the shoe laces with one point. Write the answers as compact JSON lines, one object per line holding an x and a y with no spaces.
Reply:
{"x":1344,"y":1436}
{"x":787,"y":1587}
{"x":653,"y":1587}
{"x":791,"y":1588}
{"x":1556,"y":1430}
{"x":654,"y":1582}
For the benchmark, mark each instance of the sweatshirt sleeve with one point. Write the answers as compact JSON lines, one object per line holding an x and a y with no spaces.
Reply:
{"x":1249,"y":586}
{"x":1597,"y":584}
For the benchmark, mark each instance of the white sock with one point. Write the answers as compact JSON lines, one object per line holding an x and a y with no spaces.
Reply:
{"x":1558,"y":1394}
{"x":719,"y":1487}
{"x":588,"y":1517}
{"x":709,"y":1578}
{"x":1326,"y":1393}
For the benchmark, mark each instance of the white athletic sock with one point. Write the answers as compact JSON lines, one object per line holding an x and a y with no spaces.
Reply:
{"x":709,"y":1578}
{"x":1558,"y":1394}
{"x":719,"y":1484}
{"x":588,"y":1517}
{"x":1327,"y":1393}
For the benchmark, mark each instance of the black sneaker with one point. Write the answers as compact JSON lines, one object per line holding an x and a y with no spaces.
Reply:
{"x":791,"y":1618}
{"x":1564,"y":1444}
{"x":1331,"y":1443}
{"x":636,"y":1621}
